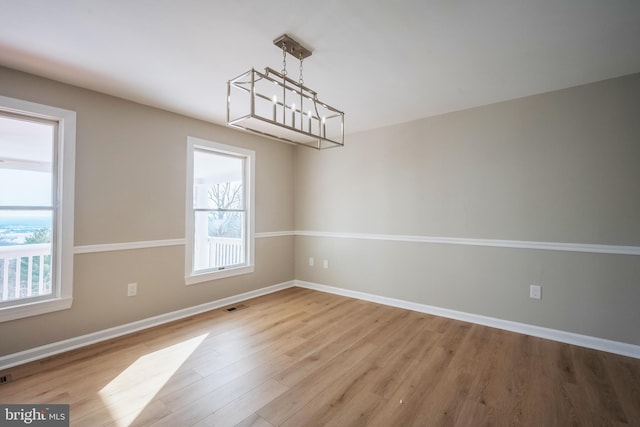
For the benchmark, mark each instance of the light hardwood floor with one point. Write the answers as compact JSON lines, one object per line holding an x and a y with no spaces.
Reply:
{"x":304,"y":358}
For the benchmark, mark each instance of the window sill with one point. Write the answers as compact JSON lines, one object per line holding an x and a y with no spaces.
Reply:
{"x":220,"y":274}
{"x":34,"y":309}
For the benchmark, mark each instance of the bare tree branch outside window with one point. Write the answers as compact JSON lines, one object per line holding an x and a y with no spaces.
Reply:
{"x":225,"y":196}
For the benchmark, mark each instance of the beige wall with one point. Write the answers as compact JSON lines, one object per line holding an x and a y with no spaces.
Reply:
{"x":130,"y":186}
{"x":557,"y":167}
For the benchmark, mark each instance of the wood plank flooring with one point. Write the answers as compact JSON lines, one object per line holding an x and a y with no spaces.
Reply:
{"x":305,"y":358}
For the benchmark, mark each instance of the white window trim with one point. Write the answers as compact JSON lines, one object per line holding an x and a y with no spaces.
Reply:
{"x":192,"y":278}
{"x":62,"y":298}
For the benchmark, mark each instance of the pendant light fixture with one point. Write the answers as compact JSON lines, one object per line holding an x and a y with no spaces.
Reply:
{"x":274,"y":105}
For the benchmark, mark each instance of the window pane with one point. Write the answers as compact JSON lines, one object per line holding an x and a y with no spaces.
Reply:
{"x":25,"y":254}
{"x":217,"y":181}
{"x":218,"y":239}
{"x":26,"y":158}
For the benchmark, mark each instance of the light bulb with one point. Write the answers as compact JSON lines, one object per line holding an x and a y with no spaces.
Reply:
{"x":275,"y":103}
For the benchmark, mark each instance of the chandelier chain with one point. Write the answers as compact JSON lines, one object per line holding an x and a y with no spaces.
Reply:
{"x":284,"y":59}
{"x":301,"y":79}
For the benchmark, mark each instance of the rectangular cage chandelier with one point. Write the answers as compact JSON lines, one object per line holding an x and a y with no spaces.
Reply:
{"x":274,"y":105}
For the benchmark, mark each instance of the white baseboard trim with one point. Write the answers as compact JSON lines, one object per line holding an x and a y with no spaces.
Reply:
{"x":601,"y":344}
{"x":52,"y":349}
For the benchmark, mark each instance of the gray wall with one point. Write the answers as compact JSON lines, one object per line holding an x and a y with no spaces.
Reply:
{"x":130,"y":186}
{"x":556,"y":167}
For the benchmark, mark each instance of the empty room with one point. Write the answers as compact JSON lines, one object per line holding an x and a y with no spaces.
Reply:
{"x":298,"y":213}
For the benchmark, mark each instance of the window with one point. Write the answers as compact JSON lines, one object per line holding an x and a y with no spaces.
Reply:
{"x":219,"y":221}
{"x":37,"y":156}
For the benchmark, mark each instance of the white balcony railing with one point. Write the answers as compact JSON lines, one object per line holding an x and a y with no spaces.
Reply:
{"x":225,"y":251}
{"x":13,"y":283}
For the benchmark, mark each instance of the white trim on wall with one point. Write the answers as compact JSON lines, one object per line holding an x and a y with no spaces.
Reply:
{"x":52,"y":349}
{"x":275,"y":234}
{"x":595,"y":343}
{"x":108,"y":247}
{"x":517,"y":244}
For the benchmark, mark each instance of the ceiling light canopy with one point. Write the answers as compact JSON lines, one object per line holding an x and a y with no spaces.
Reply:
{"x":274,"y":105}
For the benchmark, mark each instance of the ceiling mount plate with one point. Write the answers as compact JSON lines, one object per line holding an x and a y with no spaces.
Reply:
{"x":292,"y":47}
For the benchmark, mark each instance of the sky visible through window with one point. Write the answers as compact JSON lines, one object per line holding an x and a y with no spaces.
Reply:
{"x":26,"y":153}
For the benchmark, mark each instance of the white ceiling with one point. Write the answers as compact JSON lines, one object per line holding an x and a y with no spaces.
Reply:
{"x":382,"y":62}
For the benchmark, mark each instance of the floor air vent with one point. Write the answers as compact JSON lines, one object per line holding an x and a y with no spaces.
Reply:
{"x":236,"y":307}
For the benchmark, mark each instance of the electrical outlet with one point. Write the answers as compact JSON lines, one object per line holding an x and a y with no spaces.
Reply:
{"x":311,"y":262}
{"x":325,"y":263}
{"x":535,"y":291}
{"x":132,"y":289}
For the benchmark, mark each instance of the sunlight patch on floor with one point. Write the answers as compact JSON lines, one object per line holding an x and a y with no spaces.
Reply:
{"x":130,"y":392}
